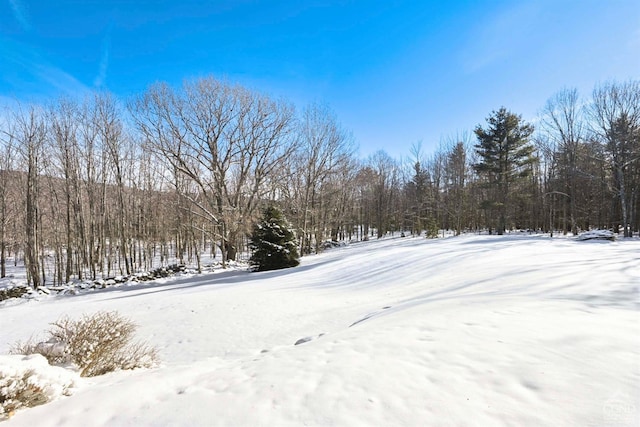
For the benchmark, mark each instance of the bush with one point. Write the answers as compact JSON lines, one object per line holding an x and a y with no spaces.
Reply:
{"x":273,"y":243}
{"x":27,"y":381}
{"x":431,"y":228}
{"x":95,"y":344}
{"x":13,"y":292}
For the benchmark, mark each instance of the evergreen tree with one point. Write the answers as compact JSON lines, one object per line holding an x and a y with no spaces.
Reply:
{"x":416,"y":193}
{"x":273,"y":242}
{"x":505,"y":158}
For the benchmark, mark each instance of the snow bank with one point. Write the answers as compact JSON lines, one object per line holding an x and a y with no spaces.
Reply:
{"x":27,"y":381}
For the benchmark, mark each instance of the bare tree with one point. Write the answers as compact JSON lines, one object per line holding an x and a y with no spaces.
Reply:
{"x":28,"y":132}
{"x":111,"y":136}
{"x":324,"y":148}
{"x":615,"y":120}
{"x":457,"y":170}
{"x":562,"y":121}
{"x":93,"y":158}
{"x":226,"y":139}
{"x":63,"y":123}
{"x":6,"y":167}
{"x":386,"y":190}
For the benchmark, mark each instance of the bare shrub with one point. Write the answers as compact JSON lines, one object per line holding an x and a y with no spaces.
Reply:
{"x":30,"y":381}
{"x":96,"y":344}
{"x":23,"y":393}
{"x":54,"y":352}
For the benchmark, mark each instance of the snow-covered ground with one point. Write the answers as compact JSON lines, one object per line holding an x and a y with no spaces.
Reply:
{"x":465,"y":331}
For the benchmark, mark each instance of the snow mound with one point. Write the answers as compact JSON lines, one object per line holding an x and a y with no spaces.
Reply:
{"x":27,"y":381}
{"x":597,"y":235}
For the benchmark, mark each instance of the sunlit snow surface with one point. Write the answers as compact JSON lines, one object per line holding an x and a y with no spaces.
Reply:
{"x":469,"y":331}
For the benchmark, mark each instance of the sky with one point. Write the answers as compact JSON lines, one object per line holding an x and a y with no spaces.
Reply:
{"x":396,"y":73}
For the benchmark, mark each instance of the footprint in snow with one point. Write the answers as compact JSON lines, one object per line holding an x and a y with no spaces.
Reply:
{"x":307,"y":339}
{"x":369,"y":316}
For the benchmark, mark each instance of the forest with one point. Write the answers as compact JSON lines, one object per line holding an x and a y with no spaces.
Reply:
{"x":102,"y":186}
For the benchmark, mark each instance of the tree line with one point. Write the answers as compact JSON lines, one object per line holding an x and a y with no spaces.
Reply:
{"x":100,"y":186}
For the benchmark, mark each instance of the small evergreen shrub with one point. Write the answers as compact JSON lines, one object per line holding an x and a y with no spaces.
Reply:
{"x":431,"y":228}
{"x":96,"y":344}
{"x":273,"y":243}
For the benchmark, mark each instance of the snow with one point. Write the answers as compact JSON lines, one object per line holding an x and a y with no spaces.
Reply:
{"x":597,"y":235}
{"x":32,"y":378}
{"x":473,"y":330}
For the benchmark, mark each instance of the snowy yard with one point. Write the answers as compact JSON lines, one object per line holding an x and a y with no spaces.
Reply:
{"x":466,"y":331}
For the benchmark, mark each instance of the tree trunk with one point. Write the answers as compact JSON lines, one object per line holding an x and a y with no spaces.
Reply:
{"x":31,"y":223}
{"x":623,"y":202}
{"x":3,"y":259}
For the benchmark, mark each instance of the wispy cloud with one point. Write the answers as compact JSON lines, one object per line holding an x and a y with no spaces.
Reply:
{"x":500,"y":36}
{"x":100,"y":79}
{"x":33,"y":70}
{"x":20,"y":14}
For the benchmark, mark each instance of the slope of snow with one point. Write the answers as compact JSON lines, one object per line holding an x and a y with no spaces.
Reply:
{"x":474,"y":330}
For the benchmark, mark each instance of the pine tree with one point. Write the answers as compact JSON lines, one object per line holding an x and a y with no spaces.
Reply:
{"x":506,"y":158}
{"x":420,"y":182}
{"x":273,"y":242}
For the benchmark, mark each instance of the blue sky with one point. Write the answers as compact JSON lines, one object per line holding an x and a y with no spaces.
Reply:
{"x":395,"y":72}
